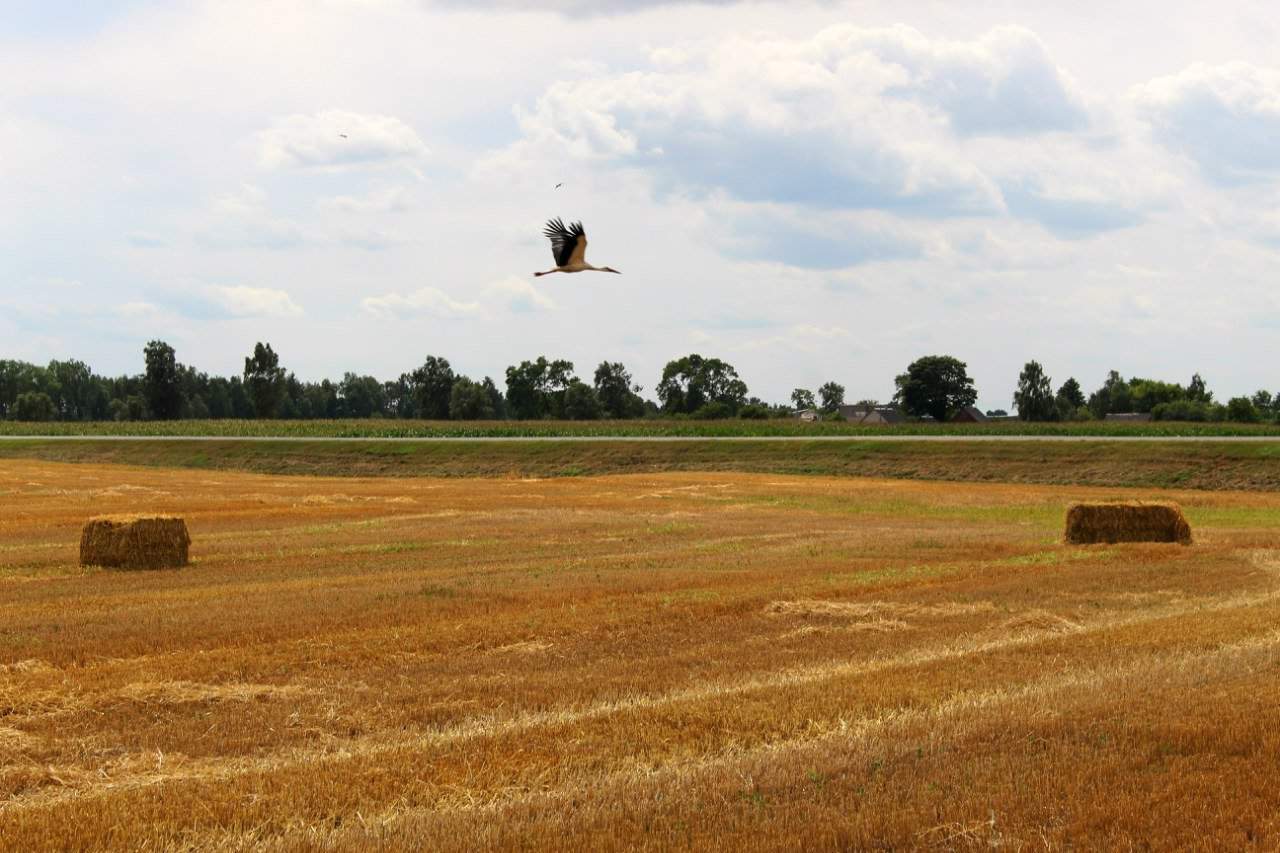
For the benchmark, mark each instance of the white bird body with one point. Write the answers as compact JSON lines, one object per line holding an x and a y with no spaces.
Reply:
{"x":569,"y":248}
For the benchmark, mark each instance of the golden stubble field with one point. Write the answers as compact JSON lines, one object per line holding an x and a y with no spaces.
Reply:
{"x":725,"y":661}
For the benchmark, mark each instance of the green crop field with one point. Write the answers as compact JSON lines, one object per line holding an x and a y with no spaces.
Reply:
{"x":380,"y":428}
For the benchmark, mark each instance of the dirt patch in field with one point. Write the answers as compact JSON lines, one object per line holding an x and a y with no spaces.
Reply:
{"x":866,"y":609}
{"x":181,"y":692}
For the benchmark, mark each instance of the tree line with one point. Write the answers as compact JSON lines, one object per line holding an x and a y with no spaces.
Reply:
{"x":932,"y":387}
{"x":166,"y":389}
{"x":1036,"y":400}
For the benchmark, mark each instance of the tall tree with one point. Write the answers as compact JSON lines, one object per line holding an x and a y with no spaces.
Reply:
{"x":470,"y":401}
{"x":79,"y":395}
{"x":1196,"y":390}
{"x":690,"y":383}
{"x":1034,"y":395}
{"x":160,"y":383}
{"x":362,"y":396}
{"x":535,"y":389}
{"x":34,"y":406}
{"x":1070,"y":391}
{"x":497,"y":402}
{"x":935,"y":385}
{"x":832,"y":395}
{"x":619,"y":396}
{"x":1113,"y":396}
{"x":264,"y":380}
{"x":581,"y":402}
{"x":802,"y":398}
{"x":1069,"y":401}
{"x":16,"y":377}
{"x":433,"y":388}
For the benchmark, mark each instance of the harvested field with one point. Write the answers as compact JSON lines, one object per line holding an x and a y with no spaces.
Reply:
{"x":724,"y":660}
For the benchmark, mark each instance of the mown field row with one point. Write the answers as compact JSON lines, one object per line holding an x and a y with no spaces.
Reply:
{"x":648,"y":661}
{"x":1194,"y":465}
{"x":377,"y":428}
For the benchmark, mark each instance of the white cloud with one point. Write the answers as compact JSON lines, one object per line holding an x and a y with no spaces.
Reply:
{"x":242,"y":219}
{"x":336,"y":139}
{"x":1002,"y":83}
{"x":828,"y":152}
{"x":242,"y":301}
{"x":519,"y":295}
{"x":1226,"y":118}
{"x":426,"y":301}
{"x":753,"y":168}
{"x":138,"y":310}
{"x":388,"y":200}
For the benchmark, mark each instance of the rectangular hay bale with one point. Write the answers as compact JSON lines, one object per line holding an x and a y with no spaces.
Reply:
{"x":1126,"y":521}
{"x":135,"y":542}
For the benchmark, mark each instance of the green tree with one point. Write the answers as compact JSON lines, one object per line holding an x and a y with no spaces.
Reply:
{"x":160,"y":382}
{"x":470,"y":401}
{"x":581,"y":402}
{"x":1196,"y":390}
{"x":1146,"y":394}
{"x":1113,"y":396}
{"x":361,"y":396}
{"x":1071,"y":392}
{"x":619,"y":396}
{"x":1262,"y":400}
{"x":34,"y":406}
{"x":535,"y":389}
{"x":264,"y":381}
{"x":497,"y":402}
{"x":16,"y":377}
{"x":1034,"y":395}
{"x":1241,"y":409}
{"x":690,"y":383}
{"x":399,"y":394}
{"x":832,"y":396}
{"x":432,"y":385}
{"x":79,"y":394}
{"x":935,"y":386}
{"x":802,"y":398}
{"x":219,"y":398}
{"x":1069,"y":402}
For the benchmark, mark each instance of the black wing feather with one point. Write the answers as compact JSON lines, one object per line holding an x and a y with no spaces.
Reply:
{"x":563,"y":240}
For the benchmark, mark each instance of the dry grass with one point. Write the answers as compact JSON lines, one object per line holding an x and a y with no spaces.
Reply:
{"x":648,"y":661}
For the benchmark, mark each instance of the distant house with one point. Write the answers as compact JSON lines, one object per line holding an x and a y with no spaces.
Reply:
{"x":808,"y":415}
{"x":969,"y":415}
{"x":872,"y":415}
{"x":1132,"y":417}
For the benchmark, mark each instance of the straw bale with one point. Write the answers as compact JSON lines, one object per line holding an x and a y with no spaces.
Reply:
{"x":135,"y":542}
{"x":1127,"y":521}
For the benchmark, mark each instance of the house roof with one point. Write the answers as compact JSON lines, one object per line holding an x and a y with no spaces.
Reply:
{"x":970,"y":412}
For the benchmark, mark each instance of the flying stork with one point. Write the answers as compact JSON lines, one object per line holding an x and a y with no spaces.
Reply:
{"x":569,"y":247}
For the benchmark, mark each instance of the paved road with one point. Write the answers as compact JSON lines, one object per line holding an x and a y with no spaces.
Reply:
{"x":657,"y":438}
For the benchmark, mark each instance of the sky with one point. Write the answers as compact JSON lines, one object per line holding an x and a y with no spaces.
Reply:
{"x":809,"y":191}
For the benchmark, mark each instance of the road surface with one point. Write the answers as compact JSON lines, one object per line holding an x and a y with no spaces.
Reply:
{"x":657,"y":438}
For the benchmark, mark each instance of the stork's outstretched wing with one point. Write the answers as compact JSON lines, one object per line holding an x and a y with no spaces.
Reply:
{"x":568,"y":245}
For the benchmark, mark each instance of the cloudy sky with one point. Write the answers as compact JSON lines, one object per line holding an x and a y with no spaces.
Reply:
{"x":809,"y":191}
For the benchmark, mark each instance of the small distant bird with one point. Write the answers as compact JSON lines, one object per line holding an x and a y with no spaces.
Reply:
{"x":343,"y":135}
{"x":569,"y":248}
{"x":558,"y":186}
